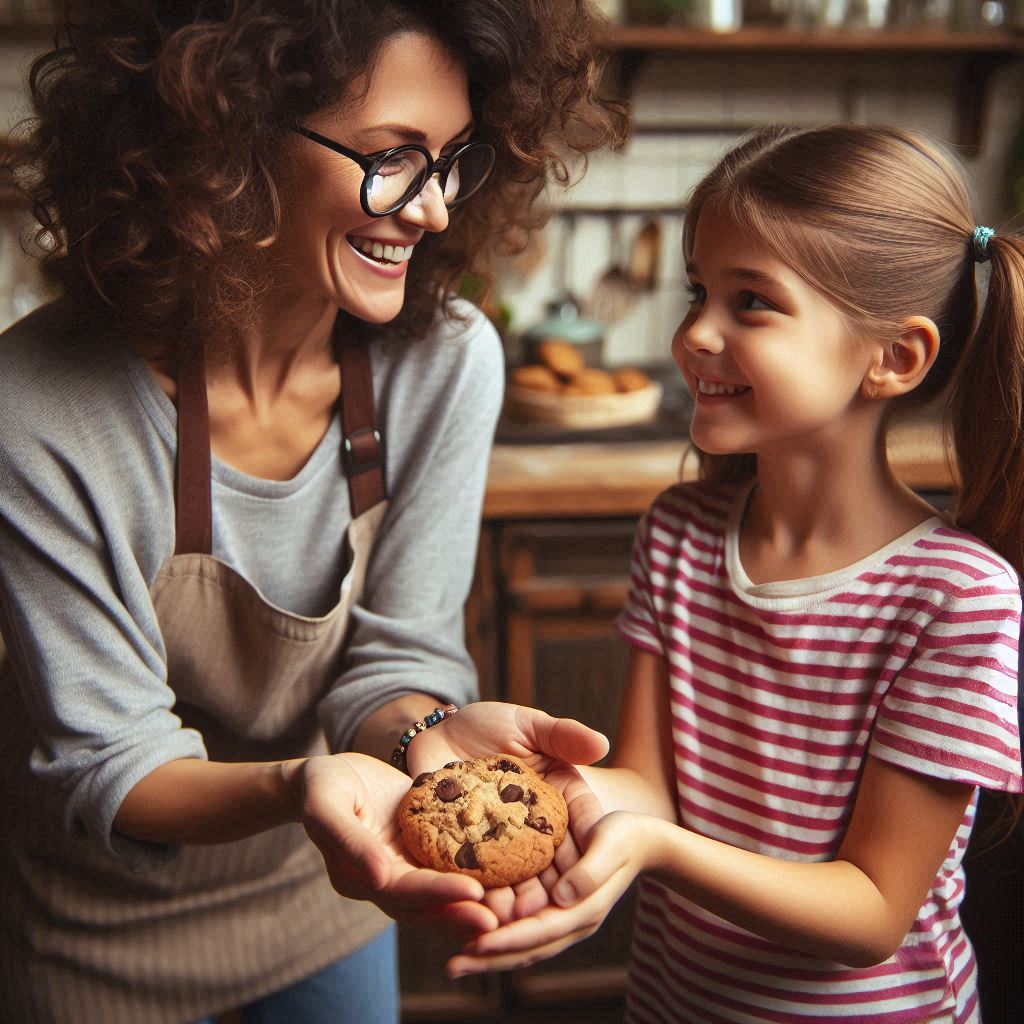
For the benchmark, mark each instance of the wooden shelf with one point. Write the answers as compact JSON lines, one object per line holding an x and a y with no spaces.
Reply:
{"x":974,"y":55}
{"x":660,"y":38}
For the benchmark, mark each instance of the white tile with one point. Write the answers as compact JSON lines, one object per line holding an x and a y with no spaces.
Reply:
{"x":645,"y":335}
{"x":681,"y":88}
{"x":14,"y":63}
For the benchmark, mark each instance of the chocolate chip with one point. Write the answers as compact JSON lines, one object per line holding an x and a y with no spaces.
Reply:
{"x":506,"y":766}
{"x":511,"y":794}
{"x":532,"y":800}
{"x":540,"y":825}
{"x":421,"y":779}
{"x":453,"y":764}
{"x":466,"y":857}
{"x":448,"y":789}
{"x":496,"y":831}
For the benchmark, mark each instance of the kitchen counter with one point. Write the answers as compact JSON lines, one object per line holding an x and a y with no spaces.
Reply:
{"x":620,"y":478}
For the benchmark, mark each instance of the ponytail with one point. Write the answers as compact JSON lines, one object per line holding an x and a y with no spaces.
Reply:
{"x":986,"y":410}
{"x":986,"y":420}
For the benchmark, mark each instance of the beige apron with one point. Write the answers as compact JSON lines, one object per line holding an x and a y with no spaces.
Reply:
{"x":85,"y":940}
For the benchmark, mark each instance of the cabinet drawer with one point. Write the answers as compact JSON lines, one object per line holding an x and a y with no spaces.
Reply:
{"x":569,"y":550}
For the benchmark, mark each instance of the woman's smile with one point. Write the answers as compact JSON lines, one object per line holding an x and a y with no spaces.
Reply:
{"x":382,"y":250}
{"x":388,"y":257}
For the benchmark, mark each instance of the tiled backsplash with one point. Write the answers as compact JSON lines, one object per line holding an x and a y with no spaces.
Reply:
{"x":688,"y":110}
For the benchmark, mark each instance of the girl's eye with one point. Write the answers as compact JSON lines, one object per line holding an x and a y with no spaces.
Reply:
{"x":696,"y":293}
{"x":748,"y":300}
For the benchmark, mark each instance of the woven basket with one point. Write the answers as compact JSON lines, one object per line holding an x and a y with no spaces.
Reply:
{"x":582,"y":412}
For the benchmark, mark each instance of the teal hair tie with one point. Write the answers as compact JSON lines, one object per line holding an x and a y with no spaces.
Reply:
{"x":981,"y":240}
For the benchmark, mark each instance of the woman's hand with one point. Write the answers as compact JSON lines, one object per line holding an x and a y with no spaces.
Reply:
{"x":551,"y":747}
{"x":349,"y":803}
{"x":491,"y":727}
{"x":621,"y":846}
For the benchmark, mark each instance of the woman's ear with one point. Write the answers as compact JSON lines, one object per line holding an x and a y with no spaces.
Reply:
{"x":903,"y":362}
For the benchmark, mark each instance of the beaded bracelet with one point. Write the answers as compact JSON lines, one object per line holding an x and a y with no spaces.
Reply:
{"x":435,"y":717}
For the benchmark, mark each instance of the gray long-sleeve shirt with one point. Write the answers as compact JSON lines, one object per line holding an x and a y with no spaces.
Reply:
{"x":87,"y":449}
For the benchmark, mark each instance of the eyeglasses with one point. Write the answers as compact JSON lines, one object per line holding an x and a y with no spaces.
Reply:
{"x":394,"y":177}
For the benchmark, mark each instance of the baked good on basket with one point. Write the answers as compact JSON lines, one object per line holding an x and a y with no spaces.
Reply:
{"x":590,"y":381}
{"x":630,"y":379}
{"x":492,"y":818}
{"x":561,"y":357}
{"x":540,"y":378}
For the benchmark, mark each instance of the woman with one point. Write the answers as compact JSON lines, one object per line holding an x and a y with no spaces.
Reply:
{"x":208,"y":576}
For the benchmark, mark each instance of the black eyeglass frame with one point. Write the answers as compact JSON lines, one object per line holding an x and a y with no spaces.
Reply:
{"x":370,"y":162}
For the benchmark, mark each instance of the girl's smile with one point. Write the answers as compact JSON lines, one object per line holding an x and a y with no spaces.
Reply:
{"x":709,"y":390}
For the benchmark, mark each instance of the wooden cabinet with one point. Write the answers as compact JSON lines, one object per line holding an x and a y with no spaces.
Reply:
{"x":540,"y":628}
{"x":561,"y":585}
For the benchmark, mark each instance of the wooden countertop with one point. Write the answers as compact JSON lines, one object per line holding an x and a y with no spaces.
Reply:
{"x":550,"y":481}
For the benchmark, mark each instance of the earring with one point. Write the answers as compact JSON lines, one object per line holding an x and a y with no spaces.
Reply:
{"x":874,"y":391}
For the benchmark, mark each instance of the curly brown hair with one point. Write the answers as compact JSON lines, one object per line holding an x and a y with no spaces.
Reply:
{"x":158,"y":126}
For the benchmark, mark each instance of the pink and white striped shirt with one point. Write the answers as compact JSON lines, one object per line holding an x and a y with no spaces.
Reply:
{"x":778,"y":693}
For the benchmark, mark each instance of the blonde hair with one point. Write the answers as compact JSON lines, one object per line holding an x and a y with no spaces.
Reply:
{"x":879,"y":220}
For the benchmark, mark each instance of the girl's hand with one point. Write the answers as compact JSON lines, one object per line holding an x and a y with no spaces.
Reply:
{"x":530,"y":897}
{"x":550,"y":746}
{"x":621,"y":846}
{"x":349,"y":802}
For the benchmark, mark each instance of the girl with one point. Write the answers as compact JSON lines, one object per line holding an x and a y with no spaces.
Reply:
{"x":824,"y":670}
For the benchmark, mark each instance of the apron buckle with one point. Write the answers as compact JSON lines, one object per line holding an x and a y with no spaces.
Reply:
{"x":364,"y":450}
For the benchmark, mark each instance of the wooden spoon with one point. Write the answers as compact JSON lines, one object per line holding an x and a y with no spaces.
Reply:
{"x":645,"y":261}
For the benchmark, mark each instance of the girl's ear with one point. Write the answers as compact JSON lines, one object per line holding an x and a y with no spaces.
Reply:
{"x":903,"y":362}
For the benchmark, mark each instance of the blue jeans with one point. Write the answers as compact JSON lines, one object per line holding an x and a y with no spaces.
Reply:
{"x":361,"y":989}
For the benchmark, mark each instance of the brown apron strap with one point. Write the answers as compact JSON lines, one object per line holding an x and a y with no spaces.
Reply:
{"x":362,"y":446}
{"x":362,"y":450}
{"x":193,"y":514}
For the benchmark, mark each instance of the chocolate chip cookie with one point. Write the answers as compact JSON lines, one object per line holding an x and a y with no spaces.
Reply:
{"x":493,"y":818}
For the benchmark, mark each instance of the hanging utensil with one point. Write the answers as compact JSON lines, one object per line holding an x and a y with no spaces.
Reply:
{"x":564,"y":303}
{"x":645,"y":260}
{"x":613,"y":293}
{"x":563,"y":320}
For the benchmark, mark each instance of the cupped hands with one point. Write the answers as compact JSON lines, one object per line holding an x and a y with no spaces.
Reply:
{"x":551,"y":747}
{"x":349,"y":804}
{"x":619,"y":846}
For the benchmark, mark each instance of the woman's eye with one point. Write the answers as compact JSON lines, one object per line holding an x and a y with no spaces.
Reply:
{"x":748,"y":300}
{"x":401,"y":164}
